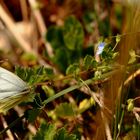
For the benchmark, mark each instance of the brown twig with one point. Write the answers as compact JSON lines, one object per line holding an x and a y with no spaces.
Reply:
{"x":9,"y":133}
{"x":41,"y":25}
{"x":104,"y":118}
{"x":132,"y":76}
{"x":12,"y":28}
{"x":24,"y":9}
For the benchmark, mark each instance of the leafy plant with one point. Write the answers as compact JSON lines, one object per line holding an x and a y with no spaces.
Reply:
{"x":65,"y":110}
{"x":67,"y":42}
{"x":49,"y":132}
{"x":34,"y":75}
{"x":46,"y":131}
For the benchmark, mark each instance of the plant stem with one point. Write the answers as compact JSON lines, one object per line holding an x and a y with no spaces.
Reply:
{"x":66,"y":91}
{"x":12,"y":124}
{"x":89,"y":81}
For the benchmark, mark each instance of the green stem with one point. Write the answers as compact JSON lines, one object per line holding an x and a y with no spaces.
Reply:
{"x":120,"y":124}
{"x":115,"y":46}
{"x":61,"y":93}
{"x":89,"y":81}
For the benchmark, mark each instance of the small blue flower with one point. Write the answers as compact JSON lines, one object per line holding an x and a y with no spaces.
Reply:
{"x":100,"y":48}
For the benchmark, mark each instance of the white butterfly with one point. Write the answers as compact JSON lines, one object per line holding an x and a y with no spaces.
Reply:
{"x":13,"y":90}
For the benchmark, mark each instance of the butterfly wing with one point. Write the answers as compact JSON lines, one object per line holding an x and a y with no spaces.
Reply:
{"x":10,"y":84}
{"x":11,"y":101}
{"x":13,"y":90}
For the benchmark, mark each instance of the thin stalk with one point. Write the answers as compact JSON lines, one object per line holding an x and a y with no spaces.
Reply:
{"x":63,"y":92}
{"x":12,"y":124}
{"x":89,"y":81}
{"x":120,"y":124}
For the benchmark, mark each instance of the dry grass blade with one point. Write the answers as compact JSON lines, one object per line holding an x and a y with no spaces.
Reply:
{"x":41,"y":25}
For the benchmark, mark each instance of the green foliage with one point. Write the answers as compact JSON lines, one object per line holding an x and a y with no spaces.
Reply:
{"x":48,"y":90}
{"x":28,"y":57}
{"x":132,"y":57}
{"x":130,"y":105}
{"x":55,"y":37}
{"x":34,"y":75}
{"x":118,"y":38}
{"x":64,"y":110}
{"x":49,"y":132}
{"x":46,"y":132}
{"x":86,"y":104}
{"x":98,"y":74}
{"x":61,"y":58}
{"x":73,"y":34}
{"x":73,"y":69}
{"x":67,"y":42}
{"x":89,"y":62}
{"x":63,"y":135}
{"x":108,"y":55}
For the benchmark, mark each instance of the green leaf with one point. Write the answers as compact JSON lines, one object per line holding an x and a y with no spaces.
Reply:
{"x":132,"y":60}
{"x":61,"y":59}
{"x":86,"y":104}
{"x":55,"y":37}
{"x":64,"y":110}
{"x":132,"y":53}
{"x":63,"y":135}
{"x":130,"y":105}
{"x":48,"y":90}
{"x":29,"y":57}
{"x":98,"y":74}
{"x":89,"y":62}
{"x":108,"y":55}
{"x":22,"y":73}
{"x":49,"y":132}
{"x":67,"y":42}
{"x":46,"y":132}
{"x":73,"y":33}
{"x":132,"y":56}
{"x":49,"y":72}
{"x":34,"y":75}
{"x":118,"y":38}
{"x":73,"y":69}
